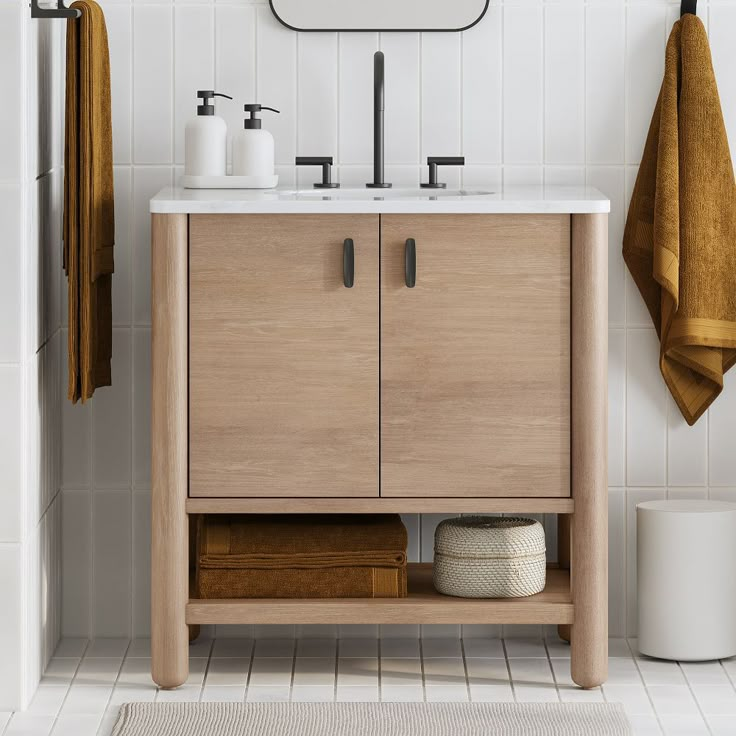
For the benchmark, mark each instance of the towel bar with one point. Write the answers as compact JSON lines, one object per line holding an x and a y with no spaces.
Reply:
{"x":60,"y":11}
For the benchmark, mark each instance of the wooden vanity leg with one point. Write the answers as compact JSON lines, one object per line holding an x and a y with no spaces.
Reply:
{"x":589,"y":404}
{"x":169,"y":550}
{"x":563,"y":559}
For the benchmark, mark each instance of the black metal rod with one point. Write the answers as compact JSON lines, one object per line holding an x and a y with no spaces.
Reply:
{"x":326,"y":173}
{"x":379,"y":106}
{"x":410,"y":263}
{"x":378,"y":148}
{"x":348,"y":263}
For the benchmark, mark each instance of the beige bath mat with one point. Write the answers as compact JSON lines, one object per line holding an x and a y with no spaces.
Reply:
{"x":371,"y":719}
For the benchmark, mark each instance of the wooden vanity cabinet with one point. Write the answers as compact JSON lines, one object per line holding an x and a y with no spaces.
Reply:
{"x":479,"y":386}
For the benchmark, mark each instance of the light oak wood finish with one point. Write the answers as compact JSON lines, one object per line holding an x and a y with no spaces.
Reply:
{"x":564,"y":541}
{"x":589,"y":329}
{"x":424,"y":605}
{"x":477,"y":415}
{"x":381,"y":505}
{"x":283,"y":357}
{"x":169,"y":523}
{"x":475,"y":372}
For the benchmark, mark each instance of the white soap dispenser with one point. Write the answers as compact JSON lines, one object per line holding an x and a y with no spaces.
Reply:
{"x":253,"y":149}
{"x":205,"y":139}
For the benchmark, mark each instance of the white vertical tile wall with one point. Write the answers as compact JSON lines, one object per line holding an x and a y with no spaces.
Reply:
{"x":538,"y":92}
{"x":30,"y":400}
{"x":523,"y":84}
{"x":441,"y":85}
{"x":564,"y":74}
{"x":316,"y":114}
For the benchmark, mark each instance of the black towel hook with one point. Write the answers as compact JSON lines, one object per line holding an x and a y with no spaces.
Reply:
{"x":688,"y":6}
{"x":60,"y":11}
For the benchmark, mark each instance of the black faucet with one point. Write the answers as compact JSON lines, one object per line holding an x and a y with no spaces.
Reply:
{"x":378,"y":107}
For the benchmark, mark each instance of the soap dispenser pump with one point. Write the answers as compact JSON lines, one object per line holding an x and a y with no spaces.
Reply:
{"x":205,"y":139}
{"x":253,"y":148}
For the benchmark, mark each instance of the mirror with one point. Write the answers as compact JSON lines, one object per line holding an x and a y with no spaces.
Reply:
{"x":379,"y":15}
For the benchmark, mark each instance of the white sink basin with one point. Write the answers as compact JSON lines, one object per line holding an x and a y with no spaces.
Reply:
{"x":368,"y":194}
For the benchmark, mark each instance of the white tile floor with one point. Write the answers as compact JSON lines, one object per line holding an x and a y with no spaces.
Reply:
{"x":86,"y":682}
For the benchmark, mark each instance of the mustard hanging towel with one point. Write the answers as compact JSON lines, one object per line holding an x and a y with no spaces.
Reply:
{"x":89,"y":223}
{"x":680,"y":236}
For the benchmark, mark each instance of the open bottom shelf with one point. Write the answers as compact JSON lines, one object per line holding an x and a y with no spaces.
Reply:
{"x":423,"y":605}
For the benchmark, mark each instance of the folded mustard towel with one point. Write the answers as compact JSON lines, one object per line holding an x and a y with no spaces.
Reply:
{"x":680,"y":237}
{"x":309,"y":556}
{"x":274,"y":537}
{"x":89,"y":224}
{"x":361,"y":581}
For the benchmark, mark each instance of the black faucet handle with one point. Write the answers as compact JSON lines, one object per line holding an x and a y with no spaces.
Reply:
{"x":326,"y":163}
{"x":435,"y":161}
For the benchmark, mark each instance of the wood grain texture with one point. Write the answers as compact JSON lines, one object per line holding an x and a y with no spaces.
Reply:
{"x":475,"y":372}
{"x":283,"y":357}
{"x":424,"y":605}
{"x":564,"y":522}
{"x":169,"y":523}
{"x":381,"y":505}
{"x":589,"y":655}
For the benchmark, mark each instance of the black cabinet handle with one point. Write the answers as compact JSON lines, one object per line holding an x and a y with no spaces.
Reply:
{"x":410,"y":262}
{"x":348,"y":263}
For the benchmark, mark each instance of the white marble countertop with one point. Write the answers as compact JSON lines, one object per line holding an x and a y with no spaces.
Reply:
{"x":477,"y":200}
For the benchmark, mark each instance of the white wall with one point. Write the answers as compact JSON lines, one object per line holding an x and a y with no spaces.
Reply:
{"x":538,"y":92}
{"x":30,"y":507}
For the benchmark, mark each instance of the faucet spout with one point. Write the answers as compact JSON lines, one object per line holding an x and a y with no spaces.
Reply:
{"x":379,"y":106}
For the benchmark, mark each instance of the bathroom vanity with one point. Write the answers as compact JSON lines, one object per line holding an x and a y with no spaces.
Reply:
{"x":406,"y":351}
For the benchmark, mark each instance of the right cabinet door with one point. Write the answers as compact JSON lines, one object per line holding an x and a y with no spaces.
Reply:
{"x":475,"y":356}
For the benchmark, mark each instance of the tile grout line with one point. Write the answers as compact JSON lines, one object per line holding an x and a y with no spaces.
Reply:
{"x":421,"y":666}
{"x":114,"y":684}
{"x":248,"y":674}
{"x":508,"y":669}
{"x":68,"y":690}
{"x":694,"y":696}
{"x":293,"y":665}
{"x":206,"y":672}
{"x":465,"y":669}
{"x":337,"y":667}
{"x":552,"y":669}
{"x":379,"y":667}
{"x":646,"y":688}
{"x":731,"y":680}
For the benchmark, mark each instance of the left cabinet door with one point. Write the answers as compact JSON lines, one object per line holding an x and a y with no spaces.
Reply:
{"x":283,"y":356}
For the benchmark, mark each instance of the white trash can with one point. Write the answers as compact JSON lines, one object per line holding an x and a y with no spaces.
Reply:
{"x":686,"y":581}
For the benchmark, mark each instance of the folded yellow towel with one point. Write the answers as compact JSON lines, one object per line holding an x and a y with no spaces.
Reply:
{"x":680,"y":237}
{"x":89,"y":223}
{"x":301,"y":556}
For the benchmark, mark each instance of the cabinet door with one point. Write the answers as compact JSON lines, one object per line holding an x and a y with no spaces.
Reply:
{"x":475,"y":359}
{"x":283,"y":358}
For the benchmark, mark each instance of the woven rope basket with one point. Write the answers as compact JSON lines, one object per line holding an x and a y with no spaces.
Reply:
{"x":489,"y":557}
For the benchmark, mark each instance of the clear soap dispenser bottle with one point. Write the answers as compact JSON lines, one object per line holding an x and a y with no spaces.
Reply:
{"x":205,"y":139}
{"x":253,"y":149}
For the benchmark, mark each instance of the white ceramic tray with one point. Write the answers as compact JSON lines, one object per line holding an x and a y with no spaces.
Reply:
{"x":229,"y":182}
